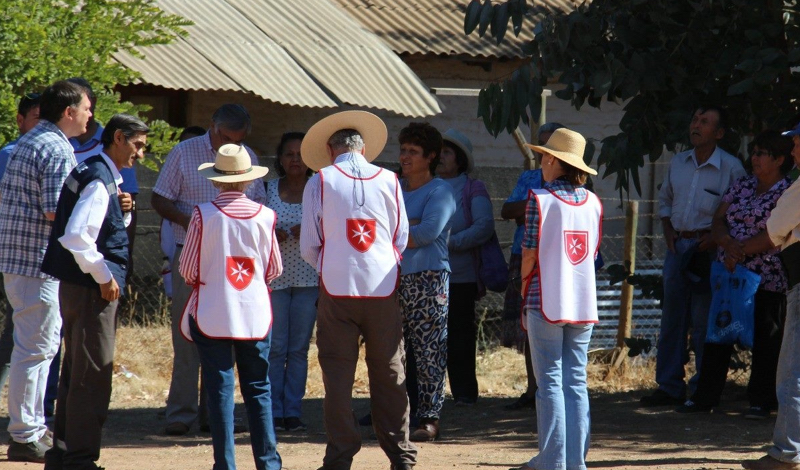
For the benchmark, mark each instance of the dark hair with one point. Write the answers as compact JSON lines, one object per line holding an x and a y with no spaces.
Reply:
{"x":58,"y":97}
{"x":28,"y":102}
{"x":82,"y":82}
{"x":461,"y":158}
{"x":777,"y":145}
{"x":574,"y":175}
{"x":426,"y":136}
{"x":233,"y":117}
{"x":130,"y":126}
{"x":191,"y":131}
{"x":722,"y":123}
{"x":286,"y":138}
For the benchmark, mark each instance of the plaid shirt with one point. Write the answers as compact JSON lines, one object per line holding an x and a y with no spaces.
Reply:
{"x":566,"y":191}
{"x":180,"y":182}
{"x":30,"y":188}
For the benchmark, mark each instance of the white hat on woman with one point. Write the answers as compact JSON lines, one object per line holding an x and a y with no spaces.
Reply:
{"x":462,"y":142}
{"x":568,"y":146}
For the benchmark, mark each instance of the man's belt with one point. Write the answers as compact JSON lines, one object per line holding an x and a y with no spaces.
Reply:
{"x":692,"y":233}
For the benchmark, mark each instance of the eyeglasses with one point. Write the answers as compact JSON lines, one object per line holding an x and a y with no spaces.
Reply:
{"x":761,"y":153}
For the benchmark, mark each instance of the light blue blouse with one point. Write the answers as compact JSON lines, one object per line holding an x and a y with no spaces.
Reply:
{"x":433,"y":205}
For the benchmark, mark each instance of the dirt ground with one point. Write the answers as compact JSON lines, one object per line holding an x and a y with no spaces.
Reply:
{"x":486,"y":436}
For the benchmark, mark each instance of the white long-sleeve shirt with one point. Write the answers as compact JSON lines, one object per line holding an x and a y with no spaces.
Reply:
{"x":83,"y":226}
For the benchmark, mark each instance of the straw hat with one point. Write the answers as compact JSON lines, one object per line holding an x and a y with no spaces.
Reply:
{"x":461,"y":141}
{"x":372,"y":129}
{"x":232,"y":165}
{"x":567,"y":146}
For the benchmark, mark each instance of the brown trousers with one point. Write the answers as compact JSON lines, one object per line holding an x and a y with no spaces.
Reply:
{"x":84,"y":392}
{"x":340,"y":322}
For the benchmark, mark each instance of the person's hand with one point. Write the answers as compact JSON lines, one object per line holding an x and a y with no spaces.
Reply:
{"x":125,"y":202}
{"x":295,"y":230}
{"x":734,"y":249}
{"x":282,"y":235}
{"x":730,"y":263}
{"x":110,"y":290}
{"x":706,"y":243}
{"x":669,"y":234}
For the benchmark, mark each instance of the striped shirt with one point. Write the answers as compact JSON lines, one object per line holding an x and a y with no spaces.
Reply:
{"x":180,"y":182}
{"x":236,"y":205}
{"x":530,"y":240}
{"x":29,"y":189}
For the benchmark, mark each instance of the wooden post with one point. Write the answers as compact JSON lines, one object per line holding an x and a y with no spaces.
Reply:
{"x":527,"y":153}
{"x":626,"y":296}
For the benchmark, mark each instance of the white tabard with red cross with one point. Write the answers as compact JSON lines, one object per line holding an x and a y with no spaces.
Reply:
{"x":233,"y":301}
{"x":569,"y":237}
{"x":359,"y":258}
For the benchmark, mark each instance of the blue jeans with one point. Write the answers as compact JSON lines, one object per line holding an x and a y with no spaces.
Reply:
{"x":252,"y":361}
{"x":37,"y":336}
{"x":294,"y":313}
{"x":559,"y":354}
{"x":682,"y":309}
{"x":786,"y":436}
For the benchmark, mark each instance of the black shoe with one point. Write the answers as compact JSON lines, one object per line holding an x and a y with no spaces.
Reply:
{"x":661,"y":398}
{"x":757,"y":412}
{"x":464,"y":401}
{"x":692,"y":407}
{"x":27,"y":452}
{"x":524,"y":401}
{"x":293,"y":424}
{"x":278,"y":424}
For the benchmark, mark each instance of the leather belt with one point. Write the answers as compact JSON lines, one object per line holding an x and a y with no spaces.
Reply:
{"x":692,"y":233}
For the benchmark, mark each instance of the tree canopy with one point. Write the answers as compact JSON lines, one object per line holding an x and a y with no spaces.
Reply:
{"x":660,"y":58}
{"x":49,"y":40}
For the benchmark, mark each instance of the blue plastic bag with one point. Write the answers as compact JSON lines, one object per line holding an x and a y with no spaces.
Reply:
{"x":730,"y":319}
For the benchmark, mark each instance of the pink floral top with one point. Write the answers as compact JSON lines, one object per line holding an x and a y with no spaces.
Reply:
{"x":747,"y":216}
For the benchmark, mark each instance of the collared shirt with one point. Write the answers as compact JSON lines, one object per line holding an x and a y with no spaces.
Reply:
{"x":93,"y":147}
{"x":691,"y":193}
{"x":311,"y":232}
{"x":83,"y":226}
{"x":567,"y":192}
{"x":30,"y":188}
{"x":180,"y":182}
{"x":5,"y":152}
{"x":783,"y":225}
{"x":529,"y":179}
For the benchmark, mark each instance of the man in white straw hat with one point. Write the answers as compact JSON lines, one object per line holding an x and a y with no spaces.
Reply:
{"x":231,"y":254}
{"x":689,"y":196}
{"x":354,"y":229}
{"x":177,"y":191}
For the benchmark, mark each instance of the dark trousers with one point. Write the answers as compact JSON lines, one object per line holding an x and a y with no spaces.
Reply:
{"x":340,"y":322}
{"x":461,"y":341}
{"x":84,"y":392}
{"x":770,"y":314}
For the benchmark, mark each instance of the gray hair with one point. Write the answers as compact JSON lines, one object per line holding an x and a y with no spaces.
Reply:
{"x":233,"y":117}
{"x":548,"y":127}
{"x":237,"y":186}
{"x":129,"y":125}
{"x":348,"y":139}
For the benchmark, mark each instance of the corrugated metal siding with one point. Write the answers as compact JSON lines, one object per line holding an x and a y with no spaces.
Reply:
{"x":437,"y":26}
{"x":348,"y":61}
{"x":303,"y":53}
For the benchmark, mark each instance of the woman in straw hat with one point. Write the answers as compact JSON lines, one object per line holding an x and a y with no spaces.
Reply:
{"x":471,"y":226}
{"x":562,"y":236}
{"x":230,"y":255}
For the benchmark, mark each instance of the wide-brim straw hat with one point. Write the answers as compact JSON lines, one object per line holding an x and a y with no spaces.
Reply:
{"x":372,"y":129}
{"x":232,"y":165}
{"x":568,"y":146}
{"x":461,"y":141}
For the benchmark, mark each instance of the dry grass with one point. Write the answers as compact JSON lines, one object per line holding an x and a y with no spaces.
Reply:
{"x":143,"y":366}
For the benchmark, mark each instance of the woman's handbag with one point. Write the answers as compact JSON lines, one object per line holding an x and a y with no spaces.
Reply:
{"x":730,"y":319}
{"x":490,"y":263}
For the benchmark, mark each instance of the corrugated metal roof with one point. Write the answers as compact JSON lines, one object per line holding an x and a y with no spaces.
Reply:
{"x":303,"y":53}
{"x":437,"y":26}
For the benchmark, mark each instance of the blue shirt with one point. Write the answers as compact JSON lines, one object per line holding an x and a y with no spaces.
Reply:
{"x":30,"y":188}
{"x":93,"y":147}
{"x":5,"y":152}
{"x":432,"y":205}
{"x":464,"y":239}
{"x":530,"y":179}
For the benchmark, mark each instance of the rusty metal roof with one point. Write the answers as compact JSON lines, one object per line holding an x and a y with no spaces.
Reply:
{"x":437,"y":26}
{"x":303,"y":53}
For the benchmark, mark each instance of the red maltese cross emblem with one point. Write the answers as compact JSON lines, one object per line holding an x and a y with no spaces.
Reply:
{"x":361,"y":233}
{"x":239,"y":271}
{"x":575,"y":245}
